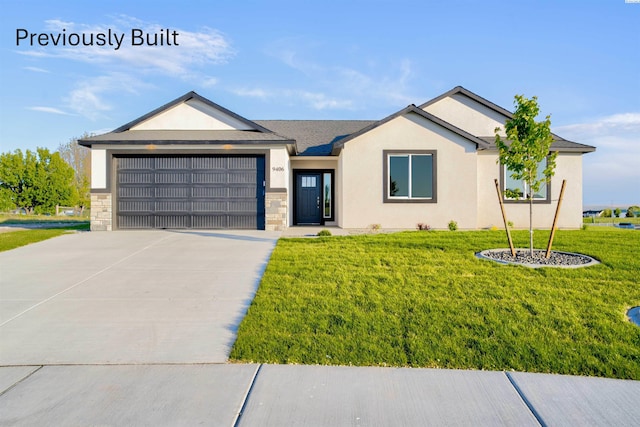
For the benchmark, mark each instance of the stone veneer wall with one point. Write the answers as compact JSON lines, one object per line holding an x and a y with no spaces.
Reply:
{"x":275,"y":211}
{"x":101,"y":212}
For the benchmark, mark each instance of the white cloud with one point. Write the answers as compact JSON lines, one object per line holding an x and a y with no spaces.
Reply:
{"x":36,"y":69}
{"x":315,"y":100}
{"x":355,"y":89}
{"x":195,"y":49}
{"x":50,"y":110}
{"x":88,"y":98}
{"x":612,"y":173}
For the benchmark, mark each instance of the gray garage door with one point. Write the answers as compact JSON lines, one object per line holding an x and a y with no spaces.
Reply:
{"x":207,"y":192}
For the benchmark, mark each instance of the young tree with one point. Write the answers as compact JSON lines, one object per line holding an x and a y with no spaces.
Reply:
{"x":527,"y":144}
{"x":617,"y":212}
{"x":79,"y":158}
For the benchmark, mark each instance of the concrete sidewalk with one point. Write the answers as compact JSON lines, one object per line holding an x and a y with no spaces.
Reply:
{"x":294,"y":395}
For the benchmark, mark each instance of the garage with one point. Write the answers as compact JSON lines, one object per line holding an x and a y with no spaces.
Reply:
{"x":190,"y":191}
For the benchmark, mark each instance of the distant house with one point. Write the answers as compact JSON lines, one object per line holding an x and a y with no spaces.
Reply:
{"x":194,"y":164}
{"x":590,"y":213}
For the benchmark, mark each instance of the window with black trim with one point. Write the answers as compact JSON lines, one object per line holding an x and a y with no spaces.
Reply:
{"x":518,"y":190}
{"x":410,"y":176}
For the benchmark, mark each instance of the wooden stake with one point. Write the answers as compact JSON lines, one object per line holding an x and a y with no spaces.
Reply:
{"x":555,"y":220}
{"x":504,"y":218}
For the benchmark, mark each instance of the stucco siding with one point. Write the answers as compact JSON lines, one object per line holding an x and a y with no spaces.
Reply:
{"x":191,"y":115}
{"x":98,"y":169}
{"x":361,"y":165}
{"x":467,"y":114}
{"x":568,"y":166}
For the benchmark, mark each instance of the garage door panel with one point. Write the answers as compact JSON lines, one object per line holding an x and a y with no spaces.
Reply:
{"x":172,"y":177}
{"x":136,"y":206}
{"x":172,"y":221}
{"x":171,"y":192}
{"x":190,"y":192}
{"x":135,"y":192}
{"x":127,"y":177}
{"x":136,"y":163}
{"x":210,"y":178}
{"x":135,"y":221}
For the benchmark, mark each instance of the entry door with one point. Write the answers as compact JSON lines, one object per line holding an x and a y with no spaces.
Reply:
{"x":309,"y":200}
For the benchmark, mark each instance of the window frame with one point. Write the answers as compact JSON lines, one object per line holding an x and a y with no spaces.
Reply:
{"x":505,"y":199}
{"x":386,"y":154}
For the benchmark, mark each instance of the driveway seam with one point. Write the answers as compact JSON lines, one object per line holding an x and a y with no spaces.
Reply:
{"x":236,"y":422}
{"x":12,"y":386}
{"x":526,"y":401}
{"x":84,"y":280}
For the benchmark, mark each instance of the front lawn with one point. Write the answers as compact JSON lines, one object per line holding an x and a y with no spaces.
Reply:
{"x":14,"y":239}
{"x":423,"y":299}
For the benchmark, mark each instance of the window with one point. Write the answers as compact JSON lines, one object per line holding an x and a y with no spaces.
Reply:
{"x":410,"y":176}
{"x":326,"y":178}
{"x":516,"y":190}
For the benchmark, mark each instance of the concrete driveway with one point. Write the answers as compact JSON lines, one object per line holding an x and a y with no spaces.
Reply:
{"x":134,"y":297}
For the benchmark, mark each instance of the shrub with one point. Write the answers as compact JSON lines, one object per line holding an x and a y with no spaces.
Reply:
{"x":453,"y":226}
{"x":423,"y":227}
{"x":606,"y":213}
{"x":510,"y":224}
{"x":324,"y":233}
{"x":375,"y":227}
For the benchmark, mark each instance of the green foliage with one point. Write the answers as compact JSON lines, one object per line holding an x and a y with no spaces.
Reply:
{"x":633,"y":211}
{"x":606,"y":213}
{"x":324,"y":233}
{"x":79,"y":158}
{"x":527,"y":145}
{"x":36,"y":181}
{"x":453,"y":226}
{"x":424,"y":300}
{"x":617,"y":212}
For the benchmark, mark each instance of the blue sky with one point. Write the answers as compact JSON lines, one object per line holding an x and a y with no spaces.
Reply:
{"x":333,"y":60}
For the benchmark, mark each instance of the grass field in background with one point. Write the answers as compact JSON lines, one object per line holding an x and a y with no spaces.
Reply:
{"x":14,"y":239}
{"x":422,"y":299}
{"x":10,"y":219}
{"x":600,"y":220}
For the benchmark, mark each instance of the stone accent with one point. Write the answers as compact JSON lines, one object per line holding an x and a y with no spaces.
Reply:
{"x":101,"y":212}
{"x":275,"y":205}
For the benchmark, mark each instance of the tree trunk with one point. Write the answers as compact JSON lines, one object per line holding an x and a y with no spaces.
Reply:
{"x":531,"y":224}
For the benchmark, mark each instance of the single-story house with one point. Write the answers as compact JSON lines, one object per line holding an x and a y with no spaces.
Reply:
{"x":194,"y":164}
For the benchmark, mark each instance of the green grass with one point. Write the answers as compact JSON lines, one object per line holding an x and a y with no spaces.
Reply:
{"x":422,"y":299}
{"x":15,"y":239}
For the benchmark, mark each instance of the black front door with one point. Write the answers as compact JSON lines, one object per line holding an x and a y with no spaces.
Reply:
{"x":308,"y":198}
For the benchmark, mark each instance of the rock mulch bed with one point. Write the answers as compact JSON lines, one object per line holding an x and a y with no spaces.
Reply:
{"x":523,"y":257}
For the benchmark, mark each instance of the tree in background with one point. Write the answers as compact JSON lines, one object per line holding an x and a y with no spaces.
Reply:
{"x":606,"y":213}
{"x":527,"y":145}
{"x":79,"y":158}
{"x":633,"y":211}
{"x":36,"y":181}
{"x":617,"y":212}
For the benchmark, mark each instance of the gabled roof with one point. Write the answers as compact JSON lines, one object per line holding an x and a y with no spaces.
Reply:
{"x":410,"y":109}
{"x":255,"y":134}
{"x":469,"y":94}
{"x":559,"y":144}
{"x":315,"y":137}
{"x":184,"y":98}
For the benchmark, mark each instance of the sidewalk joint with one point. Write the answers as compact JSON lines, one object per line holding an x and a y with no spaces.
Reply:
{"x":526,"y":401}
{"x":20,"y":380}
{"x":236,"y":423}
